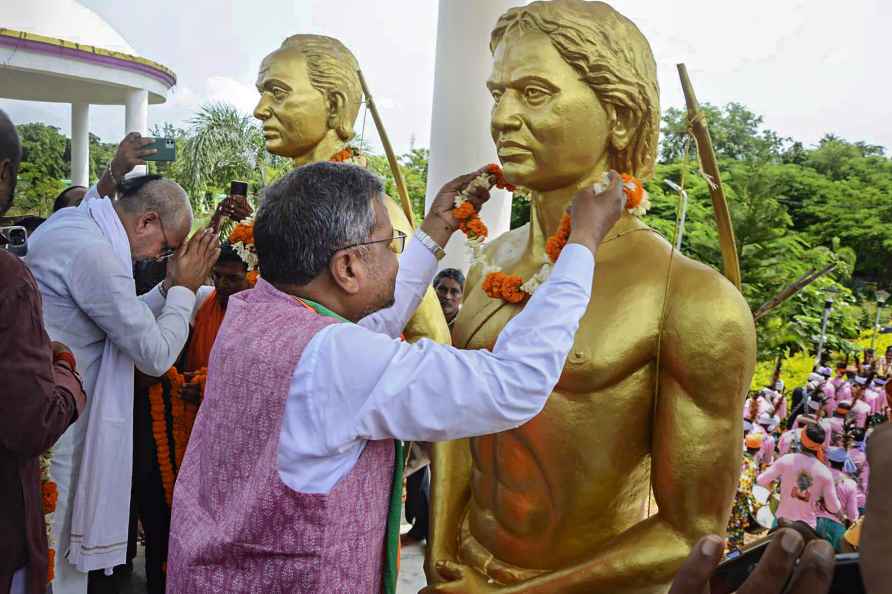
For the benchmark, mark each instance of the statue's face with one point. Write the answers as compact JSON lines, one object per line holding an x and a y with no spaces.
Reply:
{"x":549,"y":127}
{"x":293,"y":112}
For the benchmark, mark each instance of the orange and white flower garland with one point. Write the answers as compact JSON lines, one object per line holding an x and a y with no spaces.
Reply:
{"x":511,"y":287}
{"x":241,"y":238}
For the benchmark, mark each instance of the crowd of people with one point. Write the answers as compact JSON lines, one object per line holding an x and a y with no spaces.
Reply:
{"x":125,"y":337}
{"x":804,"y":461}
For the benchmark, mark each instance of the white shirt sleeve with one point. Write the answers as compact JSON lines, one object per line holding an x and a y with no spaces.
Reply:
{"x":201,"y":296}
{"x":154,"y":299}
{"x":352,"y":385}
{"x":417,"y":268}
{"x":105,"y":293}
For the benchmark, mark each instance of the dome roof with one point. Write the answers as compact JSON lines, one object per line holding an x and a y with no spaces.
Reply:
{"x":64,"y":19}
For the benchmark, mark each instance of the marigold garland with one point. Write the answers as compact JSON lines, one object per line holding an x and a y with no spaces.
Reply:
{"x":49,"y":497}
{"x":512,"y":288}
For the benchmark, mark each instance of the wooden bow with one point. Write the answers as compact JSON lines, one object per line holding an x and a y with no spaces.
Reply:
{"x":710,"y":170}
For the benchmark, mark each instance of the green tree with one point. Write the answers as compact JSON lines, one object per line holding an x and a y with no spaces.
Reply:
{"x":42,"y":170}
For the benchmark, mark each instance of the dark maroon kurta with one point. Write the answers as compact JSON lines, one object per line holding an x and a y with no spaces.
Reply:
{"x":38,"y":401}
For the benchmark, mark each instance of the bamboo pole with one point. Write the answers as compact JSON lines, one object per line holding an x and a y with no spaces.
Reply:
{"x":709,"y":165}
{"x":388,"y":151}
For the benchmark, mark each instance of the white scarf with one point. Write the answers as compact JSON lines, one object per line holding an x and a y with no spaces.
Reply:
{"x":101,"y":512}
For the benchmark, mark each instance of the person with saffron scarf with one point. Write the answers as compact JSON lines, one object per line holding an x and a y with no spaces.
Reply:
{"x":292,"y":481}
{"x":805,"y":479}
{"x":173,"y":402}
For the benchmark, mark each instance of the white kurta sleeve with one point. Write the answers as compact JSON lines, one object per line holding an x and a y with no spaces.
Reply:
{"x":352,"y":385}
{"x":417,"y":268}
{"x":105,"y":293}
{"x":154,"y":299}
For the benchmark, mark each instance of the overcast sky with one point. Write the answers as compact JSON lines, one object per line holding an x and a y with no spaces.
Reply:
{"x":809,"y":67}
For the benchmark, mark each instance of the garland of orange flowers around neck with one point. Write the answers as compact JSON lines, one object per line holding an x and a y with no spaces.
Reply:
{"x":512,"y":288}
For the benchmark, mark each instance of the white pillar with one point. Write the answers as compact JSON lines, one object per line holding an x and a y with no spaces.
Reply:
{"x":80,"y":144}
{"x":136,"y":119}
{"x":460,"y":137}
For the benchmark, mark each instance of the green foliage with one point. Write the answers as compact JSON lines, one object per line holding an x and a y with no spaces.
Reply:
{"x":413,"y":166}
{"x":42,"y":170}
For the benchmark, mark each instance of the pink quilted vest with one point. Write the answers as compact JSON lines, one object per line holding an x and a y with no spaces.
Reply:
{"x":235,"y":526}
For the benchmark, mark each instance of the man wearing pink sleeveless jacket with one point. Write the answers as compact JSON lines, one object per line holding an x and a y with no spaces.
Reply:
{"x":289,"y":478}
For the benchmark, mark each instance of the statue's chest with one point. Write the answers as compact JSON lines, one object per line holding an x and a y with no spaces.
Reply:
{"x":615,"y":339}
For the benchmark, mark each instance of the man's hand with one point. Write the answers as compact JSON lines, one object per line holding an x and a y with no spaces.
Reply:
{"x":776,"y":568}
{"x":194,"y":260}
{"x":439,"y":222}
{"x":235,"y":207}
{"x":876,"y":542}
{"x":593,"y":215}
{"x":130,"y":154}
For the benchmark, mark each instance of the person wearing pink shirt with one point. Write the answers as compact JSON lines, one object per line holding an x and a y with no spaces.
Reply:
{"x":832,"y":526}
{"x":755,"y":405}
{"x":804,"y":480}
{"x":860,"y":409}
{"x":837,"y":423}
{"x":767,"y":424}
{"x":880,"y":406}
{"x":856,"y":465}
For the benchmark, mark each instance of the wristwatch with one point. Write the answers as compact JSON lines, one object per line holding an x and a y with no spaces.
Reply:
{"x":434,"y":247}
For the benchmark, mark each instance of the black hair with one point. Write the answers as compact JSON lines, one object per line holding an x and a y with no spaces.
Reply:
{"x":228,"y":254}
{"x":452,"y":273}
{"x":10,"y":146}
{"x":131,"y":187}
{"x":311,"y":213}
{"x":61,"y":202}
{"x":816,"y":433}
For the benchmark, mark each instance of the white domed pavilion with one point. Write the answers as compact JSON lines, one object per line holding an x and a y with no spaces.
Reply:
{"x":60,"y":51}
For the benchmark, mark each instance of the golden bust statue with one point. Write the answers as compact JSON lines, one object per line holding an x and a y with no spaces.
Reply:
{"x":650,"y":398}
{"x":309,"y":99}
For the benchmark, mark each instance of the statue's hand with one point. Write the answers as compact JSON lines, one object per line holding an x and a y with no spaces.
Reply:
{"x":460,"y":579}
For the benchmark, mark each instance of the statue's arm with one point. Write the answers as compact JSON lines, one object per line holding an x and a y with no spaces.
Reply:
{"x":708,"y":357}
{"x":449,"y":496}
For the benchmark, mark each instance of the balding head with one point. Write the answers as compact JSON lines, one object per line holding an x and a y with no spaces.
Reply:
{"x":10,"y":157}
{"x":156,"y":214}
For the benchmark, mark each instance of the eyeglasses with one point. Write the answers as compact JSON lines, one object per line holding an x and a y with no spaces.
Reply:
{"x":167,"y":252}
{"x":397,"y":242}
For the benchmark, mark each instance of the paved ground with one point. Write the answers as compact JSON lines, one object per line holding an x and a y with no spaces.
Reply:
{"x":411,"y":571}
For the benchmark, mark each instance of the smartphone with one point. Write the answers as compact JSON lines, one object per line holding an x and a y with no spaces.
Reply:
{"x":166,"y":147}
{"x":15,"y":239}
{"x":238,"y":188}
{"x":730,"y":575}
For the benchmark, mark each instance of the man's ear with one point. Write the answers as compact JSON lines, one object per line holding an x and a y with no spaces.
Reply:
{"x":347,"y":271}
{"x":146,"y":220}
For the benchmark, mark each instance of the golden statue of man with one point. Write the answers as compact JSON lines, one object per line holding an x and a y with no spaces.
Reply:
{"x":309,"y":99}
{"x":650,"y":398}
